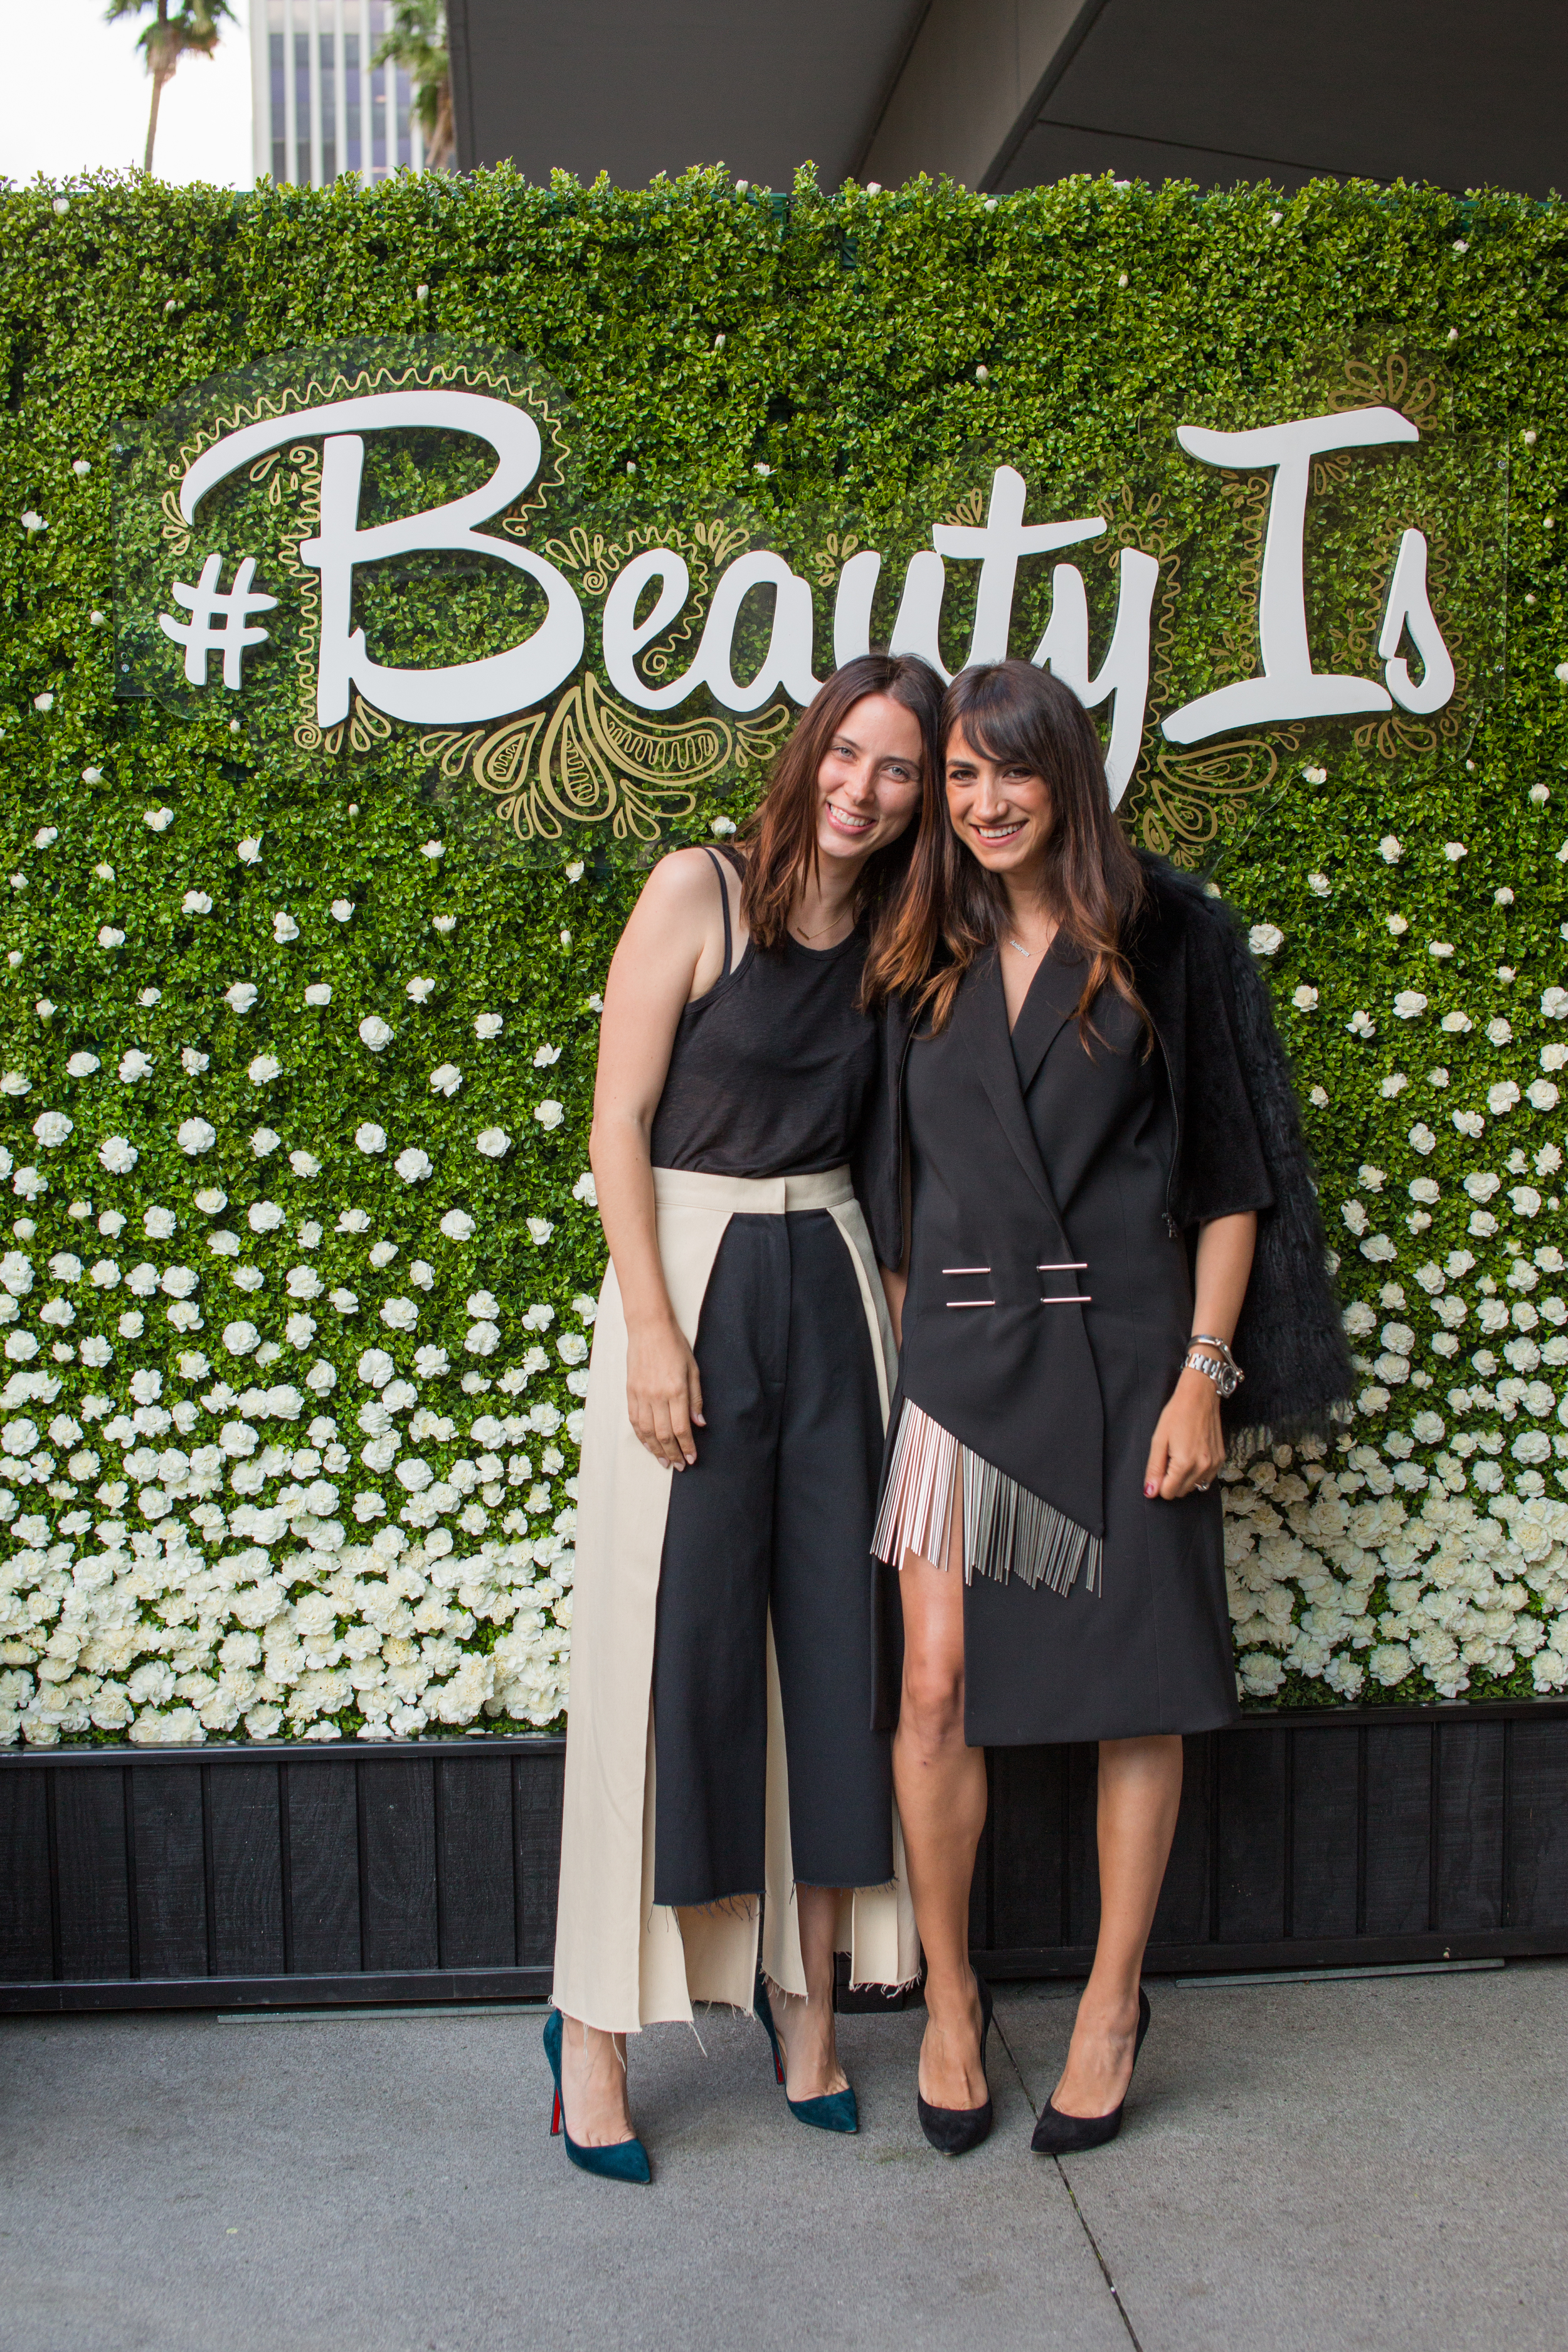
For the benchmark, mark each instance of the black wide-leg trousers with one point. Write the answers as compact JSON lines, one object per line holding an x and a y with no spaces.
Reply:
{"x":775,"y":1516}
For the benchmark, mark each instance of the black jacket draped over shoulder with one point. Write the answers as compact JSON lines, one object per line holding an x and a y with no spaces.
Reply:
{"x":1238,"y":1143}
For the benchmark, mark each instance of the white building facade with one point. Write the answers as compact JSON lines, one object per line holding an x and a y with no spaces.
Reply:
{"x":319,"y":107}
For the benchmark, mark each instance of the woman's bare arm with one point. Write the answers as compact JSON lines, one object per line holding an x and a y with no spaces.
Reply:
{"x":1188,"y":1446}
{"x":671,"y":950}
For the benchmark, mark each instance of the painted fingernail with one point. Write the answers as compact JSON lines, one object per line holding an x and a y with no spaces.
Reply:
{"x":1150,"y":1492}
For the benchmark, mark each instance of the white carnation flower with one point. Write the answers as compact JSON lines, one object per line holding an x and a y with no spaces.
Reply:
{"x":399,"y":1314}
{"x":341,"y":909}
{"x":430,"y":1363}
{"x":483,"y":1339}
{"x":1318,"y":885}
{"x":118,"y":1154}
{"x":545,"y":1056}
{"x":444,"y":924}
{"x":265,"y":1141}
{"x":211,"y":1201}
{"x":1422,"y":1139}
{"x":109,"y":938}
{"x":1453,"y":850}
{"x":494,"y":1143}
{"x":195,"y":902}
{"x":1409,"y":1004}
{"x":413,"y":1165}
{"x":419,"y":990}
{"x":381,"y":1253}
{"x":446,"y":1078}
{"x":300,"y":1331}
{"x":484,"y":1303}
{"x":539,"y":1316}
{"x":370,"y":1137}
{"x":414,"y":1473}
{"x":241,"y":996}
{"x":1266,"y":938}
{"x":192,"y":1062}
{"x":1362,"y":1024}
{"x":457,"y":1226}
{"x":250,"y":850}
{"x":549,"y":1114}
{"x":318,"y":992}
{"x":489,"y":1025}
{"x":1305,"y":999}
{"x":374,"y":1032}
{"x":284,"y":927}
{"x":1390,"y":849}
{"x":1502,"y":1097}
{"x":194,"y":1135}
{"x":241,"y":1339}
{"x":82,"y":1065}
{"x":572,"y":1348}
{"x":539,"y":1231}
{"x":304,"y":1163}
{"x":585,"y":1189}
{"x":263,"y":1069}
{"x":51,"y":1127}
{"x":1542,"y":1094}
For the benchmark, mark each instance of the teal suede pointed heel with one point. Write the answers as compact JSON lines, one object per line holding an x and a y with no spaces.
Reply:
{"x":626,"y":2159}
{"x":836,"y":2110}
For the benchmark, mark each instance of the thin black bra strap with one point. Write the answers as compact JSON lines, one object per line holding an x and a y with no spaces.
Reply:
{"x":724,"y":895}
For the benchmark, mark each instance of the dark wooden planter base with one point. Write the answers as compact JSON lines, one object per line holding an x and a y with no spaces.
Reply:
{"x":425,"y":1870}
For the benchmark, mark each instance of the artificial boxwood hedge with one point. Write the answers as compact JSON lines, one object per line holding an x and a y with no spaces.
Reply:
{"x":298,"y":1288}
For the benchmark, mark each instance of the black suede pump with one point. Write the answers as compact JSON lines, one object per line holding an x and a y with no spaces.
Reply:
{"x":1060,"y":2134}
{"x":953,"y":2131}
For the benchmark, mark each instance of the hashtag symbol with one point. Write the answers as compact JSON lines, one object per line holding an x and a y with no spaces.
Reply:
{"x":206,"y":602}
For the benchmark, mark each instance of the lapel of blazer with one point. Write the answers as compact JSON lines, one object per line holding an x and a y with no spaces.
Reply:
{"x":1051,"y":1000}
{"x":983,"y":1022}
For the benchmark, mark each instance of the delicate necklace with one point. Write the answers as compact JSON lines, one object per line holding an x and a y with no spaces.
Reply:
{"x":822,"y":934}
{"x":1023,"y":950}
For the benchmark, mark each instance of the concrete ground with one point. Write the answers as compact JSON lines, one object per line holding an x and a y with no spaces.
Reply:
{"x":1305,"y":2166}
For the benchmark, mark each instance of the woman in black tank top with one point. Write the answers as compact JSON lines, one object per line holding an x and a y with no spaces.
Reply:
{"x":728,"y":1817}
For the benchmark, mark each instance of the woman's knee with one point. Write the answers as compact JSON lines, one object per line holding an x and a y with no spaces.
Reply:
{"x":931,"y":1706}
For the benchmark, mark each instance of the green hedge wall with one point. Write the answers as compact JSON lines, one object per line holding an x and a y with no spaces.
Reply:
{"x":208,"y":1405}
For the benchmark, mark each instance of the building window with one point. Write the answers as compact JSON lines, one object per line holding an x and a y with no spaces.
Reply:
{"x":329,"y":109}
{"x":352,"y":102}
{"x":276,"y":81}
{"x":404,"y":149}
{"x":302,"y":109}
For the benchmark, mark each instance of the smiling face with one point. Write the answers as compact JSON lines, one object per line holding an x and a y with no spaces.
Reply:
{"x":1000,"y":809}
{"x":869,"y":782}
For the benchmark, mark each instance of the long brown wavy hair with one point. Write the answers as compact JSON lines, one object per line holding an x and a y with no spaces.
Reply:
{"x":952,"y":910}
{"x":780,"y":836}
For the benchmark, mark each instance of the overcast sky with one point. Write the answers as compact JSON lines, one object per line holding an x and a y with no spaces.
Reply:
{"x":77,"y":95}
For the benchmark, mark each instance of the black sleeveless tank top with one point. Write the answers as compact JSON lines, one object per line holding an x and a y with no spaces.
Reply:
{"x":772,"y":1070}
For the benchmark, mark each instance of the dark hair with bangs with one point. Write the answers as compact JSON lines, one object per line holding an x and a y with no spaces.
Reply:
{"x":952,"y":910}
{"x":780,"y":836}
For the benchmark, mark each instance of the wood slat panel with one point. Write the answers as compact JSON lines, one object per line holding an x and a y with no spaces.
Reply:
{"x":322,"y":1812}
{"x":171,"y":1869}
{"x":477,"y":1902}
{"x":1250,"y":1770}
{"x":1399,"y":1830}
{"x":1538,"y":1826}
{"x":94,"y":1885}
{"x":1469,"y":1825}
{"x":397,"y":1869}
{"x":248,"y":1869}
{"x":1182,"y":1916}
{"x":26,"y":1936}
{"x":1027,"y":1789}
{"x":537,"y":1783}
{"x":1326,"y":1771}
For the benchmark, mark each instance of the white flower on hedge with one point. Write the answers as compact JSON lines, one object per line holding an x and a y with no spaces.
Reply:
{"x":446,"y":1078}
{"x":1305,"y":999}
{"x":549,"y":1114}
{"x":1390,"y":849}
{"x":414,"y":1473}
{"x":413,"y":1166}
{"x":494,"y":1143}
{"x":300,"y":1331}
{"x":572,"y":1348}
{"x":211,"y":1201}
{"x":399,"y":1314}
{"x":539,"y":1231}
{"x":263,"y":1069}
{"x":1502,"y":1097}
{"x":1362,"y":1024}
{"x":304,"y":1282}
{"x":487,"y":1024}
{"x":265,"y":1141}
{"x":374,"y":1032}
{"x":1263,"y":939}
{"x":1397,"y":926}
{"x":241,"y":1339}
{"x":195,"y":902}
{"x":1453,"y":850}
{"x":585,"y":1189}
{"x":1409,"y":1004}
{"x":422,"y":1274}
{"x":538,"y":1318}
{"x":241,"y":996}
{"x":1318,"y":885}
{"x":1526,"y":1200}
{"x":381,"y":1253}
{"x":250,"y":850}
{"x":370,"y":1138}
{"x":430,"y":1363}
{"x":1541,"y":1094}
{"x":1457,"y":1024}
{"x":96,"y":1353}
{"x":46,"y":837}
{"x":444,"y":924}
{"x":1422,"y":1139}
{"x":21,"y":1347}
{"x":304,"y":1163}
{"x":483,"y":1339}
{"x":457,"y":1226}
{"x":192,"y":1062}
{"x":419,"y":990}
{"x":319,"y":993}
{"x":110,"y":938}
{"x":52,"y":1128}
{"x":118,"y":1154}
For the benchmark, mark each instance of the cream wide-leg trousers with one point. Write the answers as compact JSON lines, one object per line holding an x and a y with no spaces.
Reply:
{"x":623,"y":1961}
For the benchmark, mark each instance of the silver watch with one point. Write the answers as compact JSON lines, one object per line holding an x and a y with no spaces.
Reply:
{"x":1212,"y":1358}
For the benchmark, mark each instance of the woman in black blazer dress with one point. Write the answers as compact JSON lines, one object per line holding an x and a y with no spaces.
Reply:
{"x":1088,"y":1107}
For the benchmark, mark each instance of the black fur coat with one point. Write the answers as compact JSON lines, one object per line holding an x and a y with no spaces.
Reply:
{"x":1238,"y":1140}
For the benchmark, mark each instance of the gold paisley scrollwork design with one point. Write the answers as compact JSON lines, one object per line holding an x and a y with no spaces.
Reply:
{"x":1391,"y":382}
{"x":176,"y":535}
{"x":1191,"y":794}
{"x":364,"y":728}
{"x":832,"y":556}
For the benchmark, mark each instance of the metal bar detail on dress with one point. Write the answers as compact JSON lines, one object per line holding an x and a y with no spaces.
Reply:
{"x":1007,"y":1531}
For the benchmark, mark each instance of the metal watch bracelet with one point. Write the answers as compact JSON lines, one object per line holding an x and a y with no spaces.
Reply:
{"x":1220,"y":1366}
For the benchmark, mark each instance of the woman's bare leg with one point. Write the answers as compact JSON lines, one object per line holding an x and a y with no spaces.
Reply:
{"x":940,"y":1786}
{"x":1139,"y":1791}
{"x":807,"y":2027}
{"x":593,"y":2084}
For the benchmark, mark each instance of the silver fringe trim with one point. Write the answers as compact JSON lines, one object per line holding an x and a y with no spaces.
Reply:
{"x":1007,"y":1531}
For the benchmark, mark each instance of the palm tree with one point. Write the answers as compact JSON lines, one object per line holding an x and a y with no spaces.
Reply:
{"x":418,"y":42}
{"x":193,"y":26}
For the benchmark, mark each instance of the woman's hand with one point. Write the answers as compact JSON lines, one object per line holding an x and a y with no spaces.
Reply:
{"x":664,"y":1393}
{"x":1188,"y":1446}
